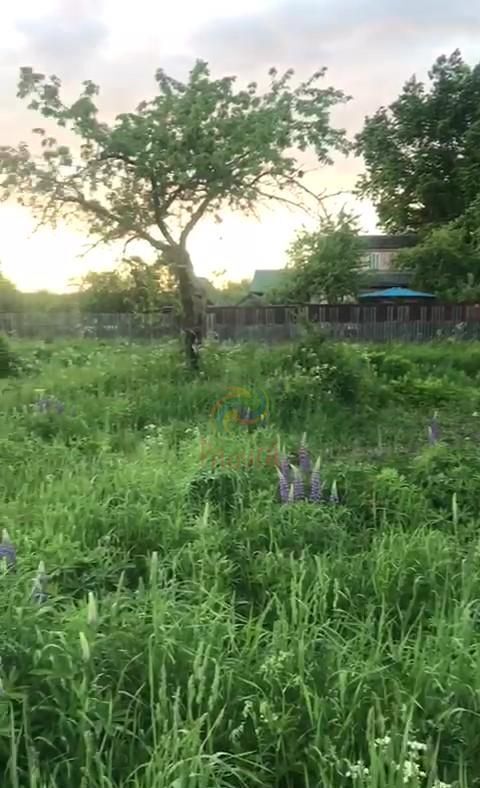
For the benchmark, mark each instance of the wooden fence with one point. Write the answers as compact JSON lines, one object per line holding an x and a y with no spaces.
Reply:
{"x":379,"y":322}
{"x":52,"y":325}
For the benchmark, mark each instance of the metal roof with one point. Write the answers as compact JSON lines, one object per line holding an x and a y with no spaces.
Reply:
{"x":387,"y":242}
{"x":265,"y":279}
{"x":370,"y":279}
{"x":396,"y":292}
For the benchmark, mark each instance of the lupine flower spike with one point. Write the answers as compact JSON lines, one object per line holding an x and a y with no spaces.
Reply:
{"x":434,"y":430}
{"x":316,"y":484}
{"x":284,"y":466}
{"x":298,"y":486}
{"x":40,"y":584}
{"x":334,"y":494}
{"x":283,"y":487}
{"x":8,"y":553}
{"x":303,"y":455}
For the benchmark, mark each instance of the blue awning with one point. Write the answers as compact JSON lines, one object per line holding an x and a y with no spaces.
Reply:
{"x":396,"y":292}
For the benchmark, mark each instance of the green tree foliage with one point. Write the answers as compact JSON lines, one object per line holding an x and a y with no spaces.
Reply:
{"x":13,"y":300}
{"x":105,"y":291}
{"x":45,"y":301}
{"x":155,"y":172}
{"x":135,"y":286}
{"x":422,"y":153}
{"x":325,"y":264}
{"x":230,"y":293}
{"x":9,"y":295}
{"x":447,"y":263}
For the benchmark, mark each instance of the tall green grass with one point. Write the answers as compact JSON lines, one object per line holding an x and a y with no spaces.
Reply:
{"x":199,"y":634}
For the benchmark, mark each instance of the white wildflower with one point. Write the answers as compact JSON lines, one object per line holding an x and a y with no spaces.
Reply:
{"x":411,"y":769}
{"x":247,"y":709}
{"x":357,"y":770}
{"x":417,"y":746}
{"x":383,"y":742}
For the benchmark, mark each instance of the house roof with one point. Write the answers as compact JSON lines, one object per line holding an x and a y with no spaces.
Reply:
{"x":397,"y":292}
{"x":250,"y":299}
{"x":384,"y":279}
{"x":265,"y":279}
{"x":389,"y":242}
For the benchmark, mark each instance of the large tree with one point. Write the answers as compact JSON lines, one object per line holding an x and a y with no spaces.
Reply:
{"x":154,"y":173}
{"x":447,"y":261}
{"x":325,"y":264}
{"x":422,"y":153}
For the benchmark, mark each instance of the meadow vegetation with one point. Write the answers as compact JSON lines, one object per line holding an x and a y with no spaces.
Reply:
{"x":188,"y":630}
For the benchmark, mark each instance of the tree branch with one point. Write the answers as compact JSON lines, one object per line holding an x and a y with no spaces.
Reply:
{"x":291,"y":203}
{"x":93,"y":206}
{"x":195,"y":217}
{"x":158,"y":213}
{"x":298,"y":185}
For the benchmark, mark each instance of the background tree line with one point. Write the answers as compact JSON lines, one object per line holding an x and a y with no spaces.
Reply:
{"x":134,"y":286}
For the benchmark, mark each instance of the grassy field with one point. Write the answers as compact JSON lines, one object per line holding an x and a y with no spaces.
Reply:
{"x":169,"y":623}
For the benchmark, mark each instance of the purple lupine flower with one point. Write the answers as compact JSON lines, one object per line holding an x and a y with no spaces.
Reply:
{"x":8,"y":552}
{"x":434,"y":430}
{"x":303,"y":455}
{"x":334,"y":494}
{"x":298,"y":486}
{"x":316,"y":484}
{"x":284,"y":466}
{"x":283,"y":487}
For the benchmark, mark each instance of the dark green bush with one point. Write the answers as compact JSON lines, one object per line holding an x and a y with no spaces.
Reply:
{"x":9,"y":361}
{"x":338,"y":370}
{"x":390,"y":365}
{"x":428,"y":392}
{"x":224,"y":488}
{"x":441,"y":471}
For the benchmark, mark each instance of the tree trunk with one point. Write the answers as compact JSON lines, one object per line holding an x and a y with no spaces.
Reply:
{"x":193,"y":302}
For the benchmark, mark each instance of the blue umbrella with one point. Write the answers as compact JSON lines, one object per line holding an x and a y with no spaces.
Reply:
{"x":396,"y":292}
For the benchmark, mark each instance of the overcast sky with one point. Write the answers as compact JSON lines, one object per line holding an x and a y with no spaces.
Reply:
{"x":369,"y":46}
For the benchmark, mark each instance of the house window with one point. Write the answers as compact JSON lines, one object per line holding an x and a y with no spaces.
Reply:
{"x":375,"y":261}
